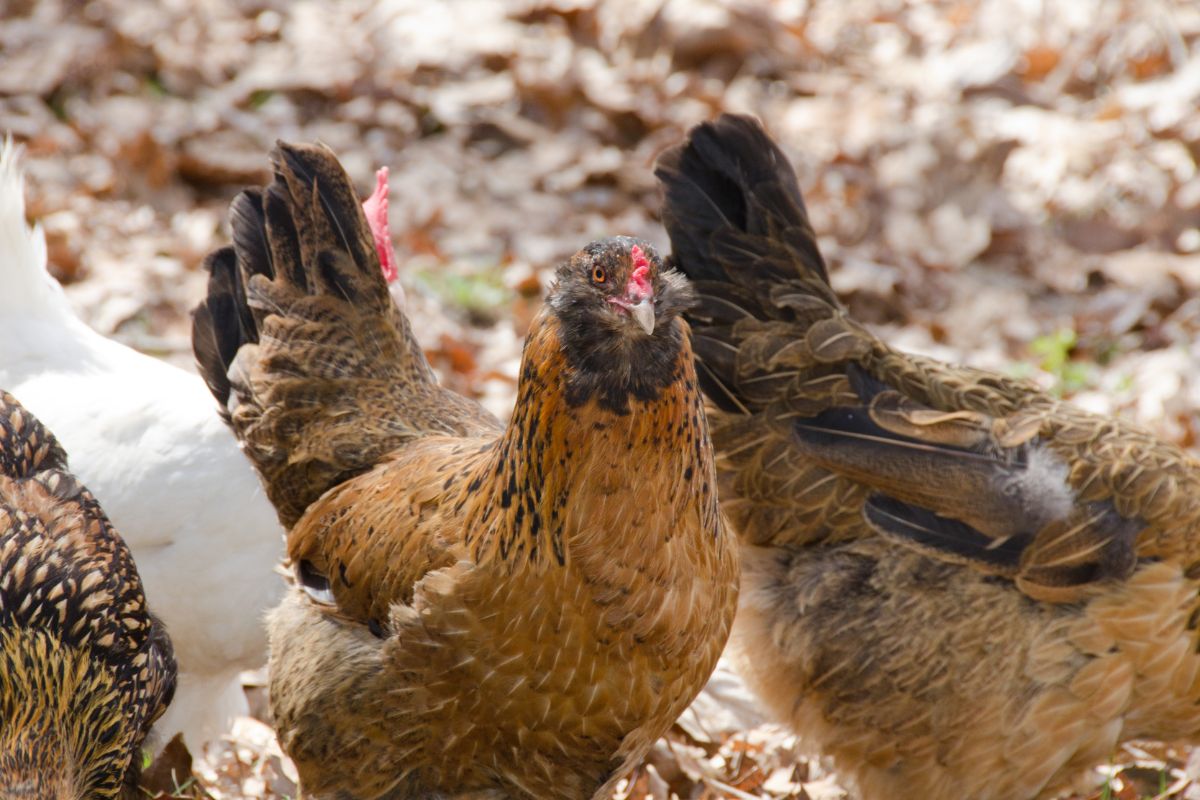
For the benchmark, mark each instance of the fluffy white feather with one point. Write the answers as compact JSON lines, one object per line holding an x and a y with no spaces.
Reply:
{"x":1045,"y":487}
{"x":146,"y":439}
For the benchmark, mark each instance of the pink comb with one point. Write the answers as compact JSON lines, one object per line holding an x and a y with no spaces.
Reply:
{"x":376,"y":209}
{"x":639,"y":287}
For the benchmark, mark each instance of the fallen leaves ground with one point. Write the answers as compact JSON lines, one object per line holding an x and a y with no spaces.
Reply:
{"x":1007,"y":182}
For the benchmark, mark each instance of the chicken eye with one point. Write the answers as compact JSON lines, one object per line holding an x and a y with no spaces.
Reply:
{"x":598,"y":275}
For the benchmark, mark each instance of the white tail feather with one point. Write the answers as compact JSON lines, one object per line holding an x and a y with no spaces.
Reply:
{"x":25,"y":286}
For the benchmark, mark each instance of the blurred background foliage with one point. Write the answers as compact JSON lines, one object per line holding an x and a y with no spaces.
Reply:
{"x":1011,"y":183}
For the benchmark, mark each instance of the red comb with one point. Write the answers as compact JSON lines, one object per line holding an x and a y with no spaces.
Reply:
{"x":639,"y":287}
{"x":376,"y":209}
{"x":639,"y":258}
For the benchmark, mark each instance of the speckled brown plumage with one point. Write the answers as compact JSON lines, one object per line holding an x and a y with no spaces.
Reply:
{"x":84,"y":667}
{"x":956,"y":585}
{"x":504,"y":611}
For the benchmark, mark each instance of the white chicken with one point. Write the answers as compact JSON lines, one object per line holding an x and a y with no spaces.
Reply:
{"x":144,"y":437}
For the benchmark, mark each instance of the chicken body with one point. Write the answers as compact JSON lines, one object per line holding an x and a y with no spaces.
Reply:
{"x":84,"y":667}
{"x":142,"y":436}
{"x":480,"y":610}
{"x":955,"y":585}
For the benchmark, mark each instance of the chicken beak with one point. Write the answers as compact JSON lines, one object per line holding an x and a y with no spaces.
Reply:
{"x":643,"y":313}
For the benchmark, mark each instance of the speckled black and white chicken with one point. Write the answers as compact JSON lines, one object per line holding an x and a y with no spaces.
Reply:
{"x":955,"y":585}
{"x":85,"y":668}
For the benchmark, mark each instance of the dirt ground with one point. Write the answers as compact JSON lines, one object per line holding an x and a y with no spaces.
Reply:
{"x":1009,"y":183}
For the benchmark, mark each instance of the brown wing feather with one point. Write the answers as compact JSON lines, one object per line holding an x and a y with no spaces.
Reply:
{"x":353,"y":540}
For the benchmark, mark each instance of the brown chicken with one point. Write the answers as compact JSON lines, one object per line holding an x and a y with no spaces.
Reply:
{"x":956,"y":585}
{"x":85,"y":669}
{"x":479,"y":610}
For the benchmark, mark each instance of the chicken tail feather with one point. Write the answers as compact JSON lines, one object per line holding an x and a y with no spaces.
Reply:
{"x":29,"y":290}
{"x":314,"y":367}
{"x":740,"y":231}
